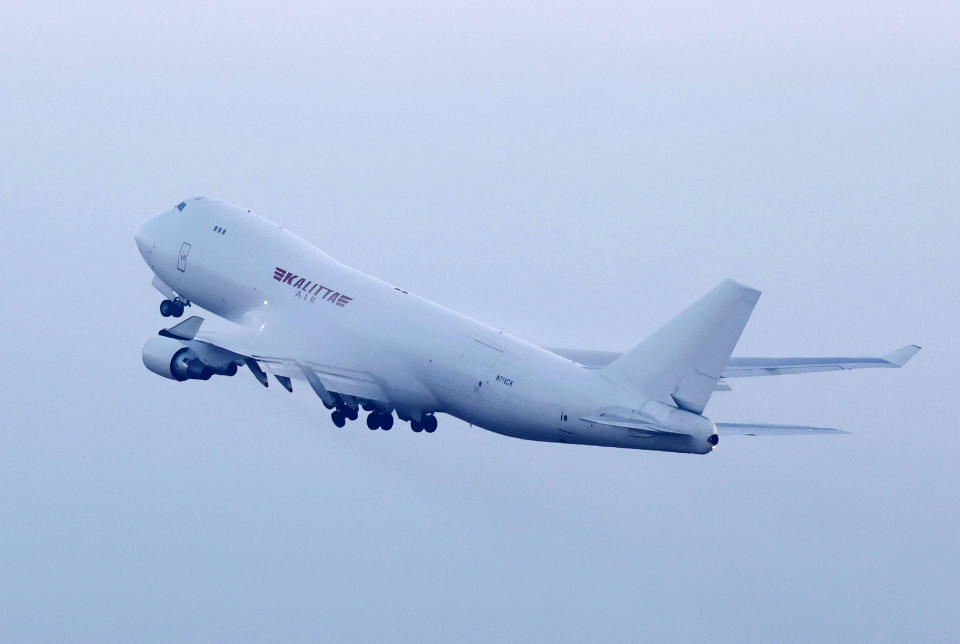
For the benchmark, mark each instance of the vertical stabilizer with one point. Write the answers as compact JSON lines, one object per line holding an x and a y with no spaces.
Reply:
{"x":682,"y":361}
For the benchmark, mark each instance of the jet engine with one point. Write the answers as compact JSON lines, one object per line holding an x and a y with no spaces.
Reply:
{"x":186,"y":359}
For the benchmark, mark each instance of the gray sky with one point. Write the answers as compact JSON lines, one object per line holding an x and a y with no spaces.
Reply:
{"x":573,"y":175}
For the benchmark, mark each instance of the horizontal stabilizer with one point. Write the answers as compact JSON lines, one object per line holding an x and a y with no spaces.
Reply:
{"x":750,"y":429}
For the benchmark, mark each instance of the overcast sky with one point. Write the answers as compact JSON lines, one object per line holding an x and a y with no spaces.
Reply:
{"x":573,"y":175}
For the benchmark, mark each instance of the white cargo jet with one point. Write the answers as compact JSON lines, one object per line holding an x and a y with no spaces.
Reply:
{"x":360,"y":343}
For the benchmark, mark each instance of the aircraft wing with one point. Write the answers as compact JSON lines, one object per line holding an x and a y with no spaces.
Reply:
{"x":750,"y":367}
{"x":747,"y":367}
{"x":344,"y":382}
{"x":260,"y":355}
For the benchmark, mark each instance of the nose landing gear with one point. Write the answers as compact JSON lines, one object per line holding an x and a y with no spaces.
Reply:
{"x":173,"y":308}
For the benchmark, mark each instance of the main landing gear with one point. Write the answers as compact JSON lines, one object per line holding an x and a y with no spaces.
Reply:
{"x":341,"y":416}
{"x":428,"y":424}
{"x":172,"y":308}
{"x":377,"y":420}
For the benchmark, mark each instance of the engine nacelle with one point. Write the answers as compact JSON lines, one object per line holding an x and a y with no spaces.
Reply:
{"x":174,"y":359}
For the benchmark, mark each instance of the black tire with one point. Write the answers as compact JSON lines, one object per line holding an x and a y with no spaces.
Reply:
{"x":373,"y":420}
{"x":415,"y":426}
{"x":352,"y":414}
{"x":429,"y":424}
{"x":177,"y":309}
{"x":386,"y":422}
{"x":165,"y":308}
{"x":338,"y":419}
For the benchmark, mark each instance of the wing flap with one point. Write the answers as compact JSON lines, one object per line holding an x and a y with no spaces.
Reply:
{"x":339,"y":381}
{"x":354,"y":383}
{"x":345,"y":382}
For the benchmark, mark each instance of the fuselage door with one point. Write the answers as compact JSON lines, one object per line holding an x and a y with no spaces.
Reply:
{"x":182,"y":259}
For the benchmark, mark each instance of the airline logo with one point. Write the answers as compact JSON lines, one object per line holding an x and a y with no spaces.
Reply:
{"x":309,"y":290}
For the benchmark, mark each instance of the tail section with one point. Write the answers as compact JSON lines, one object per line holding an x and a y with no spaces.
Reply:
{"x":682,"y":361}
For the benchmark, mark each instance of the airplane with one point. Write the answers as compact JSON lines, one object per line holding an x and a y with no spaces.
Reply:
{"x":296,"y":313}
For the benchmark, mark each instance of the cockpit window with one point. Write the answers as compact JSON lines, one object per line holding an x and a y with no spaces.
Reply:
{"x":181,"y":206}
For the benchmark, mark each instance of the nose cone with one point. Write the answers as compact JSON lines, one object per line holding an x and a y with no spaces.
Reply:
{"x":146,"y":236}
{"x":140,"y":236}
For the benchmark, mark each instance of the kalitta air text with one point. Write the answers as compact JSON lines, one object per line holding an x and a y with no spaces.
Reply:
{"x":310,"y":291}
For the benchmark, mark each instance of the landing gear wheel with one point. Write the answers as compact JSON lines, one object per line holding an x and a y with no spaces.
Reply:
{"x":171,"y":308}
{"x":351,"y":414}
{"x":386,"y":422}
{"x":338,"y":419}
{"x":373,"y":420}
{"x":429,"y":424}
{"x":415,"y":426}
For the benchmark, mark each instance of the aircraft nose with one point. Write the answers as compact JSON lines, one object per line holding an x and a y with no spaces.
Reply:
{"x":139,"y":235}
{"x":145,"y":236}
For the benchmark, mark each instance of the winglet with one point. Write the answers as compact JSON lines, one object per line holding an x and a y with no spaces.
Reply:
{"x":900,"y":357}
{"x":186,"y":330}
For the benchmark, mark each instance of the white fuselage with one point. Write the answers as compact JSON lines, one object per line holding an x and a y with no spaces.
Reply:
{"x":427,"y":357}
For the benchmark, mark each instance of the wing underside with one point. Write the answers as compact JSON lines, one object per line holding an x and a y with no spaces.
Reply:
{"x":339,"y":381}
{"x":248,"y":349}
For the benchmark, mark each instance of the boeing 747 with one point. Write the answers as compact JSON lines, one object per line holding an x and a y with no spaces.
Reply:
{"x":362,"y":344}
